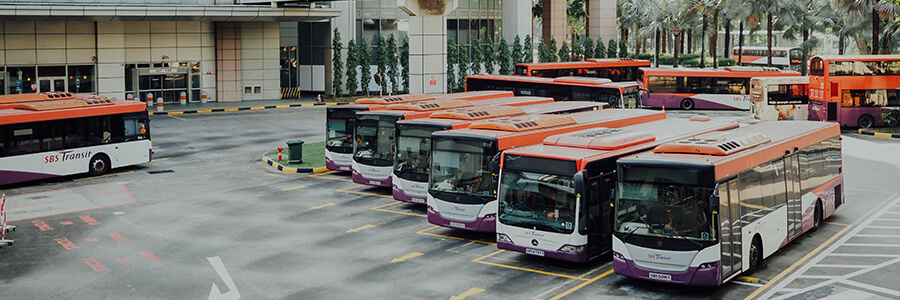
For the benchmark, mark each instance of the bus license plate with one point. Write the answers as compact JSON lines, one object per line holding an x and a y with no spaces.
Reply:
{"x":418,"y":200}
{"x":534,"y":252}
{"x":457,"y":224}
{"x":345,"y":168}
{"x":660,"y":276}
{"x":374,"y":182}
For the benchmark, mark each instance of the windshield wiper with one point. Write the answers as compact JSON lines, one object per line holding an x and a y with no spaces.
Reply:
{"x":686,"y":238}
{"x":625,"y":237}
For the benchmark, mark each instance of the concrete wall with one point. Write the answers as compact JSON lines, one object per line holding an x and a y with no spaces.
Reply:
{"x":259,"y":60}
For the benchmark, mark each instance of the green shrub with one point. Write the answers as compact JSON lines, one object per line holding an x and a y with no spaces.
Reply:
{"x":666,"y":59}
{"x":645,"y":56}
{"x":725,"y":62}
{"x":692,"y":63}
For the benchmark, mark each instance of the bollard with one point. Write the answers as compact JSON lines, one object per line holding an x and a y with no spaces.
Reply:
{"x":129,"y":97}
{"x":183,"y":98}
{"x":3,"y":227}
{"x":159,"y":104}
{"x":149,"y":100}
{"x":203,"y":96}
{"x":279,"y":153}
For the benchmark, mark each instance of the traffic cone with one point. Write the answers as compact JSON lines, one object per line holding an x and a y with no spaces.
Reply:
{"x":319,"y":98}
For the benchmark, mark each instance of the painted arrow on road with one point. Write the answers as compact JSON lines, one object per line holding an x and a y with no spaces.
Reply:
{"x":408,"y":256}
{"x":214,"y":292}
{"x":468,"y":293}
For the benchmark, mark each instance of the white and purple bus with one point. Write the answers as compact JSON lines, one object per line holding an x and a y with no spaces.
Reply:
{"x":702,"y":210}
{"x":707,"y":88}
{"x":554,"y":198}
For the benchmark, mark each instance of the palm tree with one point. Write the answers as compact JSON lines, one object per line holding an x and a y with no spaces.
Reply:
{"x":576,"y":19}
{"x":816,"y":14}
{"x":876,"y":9}
{"x":678,"y":20}
{"x":740,"y":11}
{"x":703,"y":8}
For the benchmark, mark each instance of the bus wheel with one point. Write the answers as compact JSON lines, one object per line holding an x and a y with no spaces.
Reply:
{"x":817,"y":216}
{"x":687,"y":104}
{"x":99,"y":165}
{"x":756,"y":255}
{"x":865,"y":121}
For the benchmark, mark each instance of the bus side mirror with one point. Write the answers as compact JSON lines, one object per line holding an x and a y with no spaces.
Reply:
{"x":713,"y":205}
{"x":494,"y":165}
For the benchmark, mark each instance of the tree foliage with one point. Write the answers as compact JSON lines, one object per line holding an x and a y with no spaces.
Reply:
{"x":489,"y":52}
{"x":382,"y":63}
{"x":600,"y":50}
{"x":476,"y":58}
{"x":503,"y":58}
{"x":463,"y":67}
{"x":392,"y":63}
{"x":528,"y":50}
{"x":337,"y":66}
{"x":563,"y":52}
{"x":452,"y":58}
{"x":552,"y":49}
{"x":517,"y":56}
{"x":352,"y":64}
{"x":404,"y":62}
{"x":365,"y":60}
{"x":611,"y":49}
{"x":623,"y":48}
{"x":588,"y":48}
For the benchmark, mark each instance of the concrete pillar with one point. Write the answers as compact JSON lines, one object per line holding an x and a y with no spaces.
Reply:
{"x":516,"y":19}
{"x":603,"y":20}
{"x":554,"y":21}
{"x":427,"y":44}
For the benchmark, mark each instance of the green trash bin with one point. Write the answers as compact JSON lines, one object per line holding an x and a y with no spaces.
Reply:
{"x":295,"y":152}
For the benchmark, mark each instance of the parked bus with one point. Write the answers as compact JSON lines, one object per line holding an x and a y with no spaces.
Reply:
{"x":702,"y":210}
{"x":690,"y":88}
{"x":462,"y":184}
{"x":854,"y":90}
{"x":554,"y":198}
{"x":374,"y":144}
{"x":780,"y":98}
{"x":616,"y":94}
{"x":410,"y":176}
{"x":758,"y":56}
{"x":57,"y":134}
{"x":615,"y":69}
{"x":340,"y":121}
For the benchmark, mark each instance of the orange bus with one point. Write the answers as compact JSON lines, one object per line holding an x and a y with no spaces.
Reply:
{"x":57,"y":134}
{"x":624,"y":94}
{"x":340,"y":121}
{"x":375,"y":133}
{"x":707,"y":88}
{"x":462,"y":182}
{"x":854,"y":90}
{"x":615,"y":69}
{"x":702,"y":210}
{"x":413,"y":154}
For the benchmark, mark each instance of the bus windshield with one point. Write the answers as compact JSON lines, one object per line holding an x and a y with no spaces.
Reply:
{"x":462,"y":167}
{"x":375,"y":140}
{"x":663,"y":202}
{"x":521,"y":70}
{"x":541,"y":201}
{"x":339,"y":130}
{"x":413,"y":152}
{"x":631,"y":97}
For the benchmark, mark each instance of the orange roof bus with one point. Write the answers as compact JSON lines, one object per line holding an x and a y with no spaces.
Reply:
{"x":340,"y":121}
{"x":559,"y":192}
{"x":413,"y":154}
{"x":854,"y":90}
{"x":58,"y":134}
{"x":625,"y":94}
{"x":707,"y":88}
{"x":462,"y":181}
{"x":702,"y":210}
{"x":375,"y":132}
{"x":615,"y":69}
{"x":789,"y":58}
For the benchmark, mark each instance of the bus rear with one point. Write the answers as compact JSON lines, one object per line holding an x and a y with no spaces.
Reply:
{"x":702,"y":210}
{"x":554,"y":198}
{"x":374,"y":147}
{"x":410,"y":175}
{"x":779,"y":98}
{"x":462,"y":186}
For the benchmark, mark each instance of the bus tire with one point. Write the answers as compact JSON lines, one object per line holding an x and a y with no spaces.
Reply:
{"x":817,"y":216}
{"x":687,"y":104}
{"x":756,"y":255}
{"x":865,"y":121}
{"x":99,"y":165}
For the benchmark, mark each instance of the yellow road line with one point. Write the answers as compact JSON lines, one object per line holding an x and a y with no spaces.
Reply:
{"x":360,"y":228}
{"x":177,"y":118}
{"x":322,"y":176}
{"x":161,"y":159}
{"x":323,"y":206}
{"x":293,"y":188}
{"x":466,"y":294}
{"x":408,"y":256}
{"x":802,"y":260}
{"x":345,"y":190}
{"x":155,"y":147}
{"x":480,"y":261}
{"x":834,"y":223}
{"x":583,"y":284}
{"x":381,"y":208}
{"x":424,"y":232}
{"x":102,"y":176}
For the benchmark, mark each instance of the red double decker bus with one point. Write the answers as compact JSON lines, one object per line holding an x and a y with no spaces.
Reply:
{"x":854,"y":90}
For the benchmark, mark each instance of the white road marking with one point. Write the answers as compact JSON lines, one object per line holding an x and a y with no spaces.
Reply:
{"x":214,"y":292}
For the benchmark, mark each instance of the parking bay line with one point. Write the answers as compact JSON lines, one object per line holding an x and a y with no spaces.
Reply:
{"x":480,"y":260}
{"x":347,"y":190}
{"x":293,"y":188}
{"x":381,"y":209}
{"x":360,"y":228}
{"x":425,"y":232}
{"x":581,"y":285}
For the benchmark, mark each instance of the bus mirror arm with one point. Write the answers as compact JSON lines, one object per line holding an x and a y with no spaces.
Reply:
{"x":713,"y":204}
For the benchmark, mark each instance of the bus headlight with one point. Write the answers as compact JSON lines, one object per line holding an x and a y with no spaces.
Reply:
{"x":571,"y":249}
{"x":490,"y":217}
{"x":618,"y":255}
{"x":503,"y":238}
{"x":709,"y":265}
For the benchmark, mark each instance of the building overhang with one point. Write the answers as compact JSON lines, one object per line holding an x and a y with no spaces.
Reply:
{"x":233,"y":13}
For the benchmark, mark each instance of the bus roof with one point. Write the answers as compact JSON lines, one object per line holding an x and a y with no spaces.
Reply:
{"x":764,"y":48}
{"x":367,"y":104}
{"x":395,"y":99}
{"x":426,"y":108}
{"x":32,"y":97}
{"x":734,"y":151}
{"x":739,"y":72}
{"x":894,"y":57}
{"x":589,"y":63}
{"x":784,"y":79}
{"x":457,"y":118}
{"x":594,"y":144}
{"x":566,"y":80}
{"x":533,"y":128}
{"x":66,"y":109}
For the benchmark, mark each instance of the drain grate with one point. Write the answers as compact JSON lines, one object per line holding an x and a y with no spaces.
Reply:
{"x":160,"y":171}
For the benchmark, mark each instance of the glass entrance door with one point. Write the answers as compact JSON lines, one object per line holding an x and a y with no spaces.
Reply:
{"x":51,"y":84}
{"x":165,"y":83}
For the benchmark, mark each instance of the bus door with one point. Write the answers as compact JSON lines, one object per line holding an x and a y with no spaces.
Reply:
{"x":792,"y":185}
{"x":51,"y":84}
{"x":3,"y":87}
{"x":602,"y":191}
{"x":729,"y":220}
{"x":831,"y":111}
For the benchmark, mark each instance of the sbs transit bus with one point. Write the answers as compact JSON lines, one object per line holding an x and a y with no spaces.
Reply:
{"x":410,"y":175}
{"x":462,"y":184}
{"x":554,"y":198}
{"x":58,"y":134}
{"x":702,"y":210}
{"x":707,"y":88}
{"x":375,"y":133}
{"x":758,"y":56}
{"x":854,"y":90}
{"x":780,"y":98}
{"x":616,"y":69}
{"x":616,"y":94}
{"x":340,"y":121}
